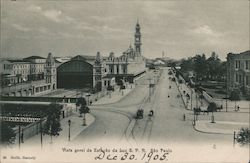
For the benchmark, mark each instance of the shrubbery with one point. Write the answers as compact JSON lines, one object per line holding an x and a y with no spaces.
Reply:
{"x":243,"y":136}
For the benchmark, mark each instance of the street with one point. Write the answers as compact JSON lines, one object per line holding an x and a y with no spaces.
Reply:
{"x":114,"y":124}
{"x":167,"y":124}
{"x":112,"y":120}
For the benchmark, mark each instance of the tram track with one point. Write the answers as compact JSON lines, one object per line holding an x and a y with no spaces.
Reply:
{"x":125,"y":136}
{"x":147,"y":130}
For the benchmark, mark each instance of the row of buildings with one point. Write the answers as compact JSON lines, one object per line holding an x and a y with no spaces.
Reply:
{"x":238,"y":72}
{"x":35,"y":75}
{"x":30,"y":76}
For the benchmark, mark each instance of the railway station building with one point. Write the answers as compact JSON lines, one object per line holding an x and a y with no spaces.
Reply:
{"x":100,"y":73}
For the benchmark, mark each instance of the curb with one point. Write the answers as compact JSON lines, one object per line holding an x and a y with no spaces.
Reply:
{"x":206,"y":132}
{"x":232,"y":112}
{"x":185,"y":106}
{"x":84,"y":128}
{"x":115,"y":101}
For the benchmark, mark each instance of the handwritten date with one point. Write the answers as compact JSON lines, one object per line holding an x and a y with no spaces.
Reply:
{"x":130,"y":156}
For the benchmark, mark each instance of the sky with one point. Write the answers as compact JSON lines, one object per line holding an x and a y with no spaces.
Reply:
{"x":179,"y":28}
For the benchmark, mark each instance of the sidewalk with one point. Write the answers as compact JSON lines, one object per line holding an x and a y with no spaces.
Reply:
{"x":76,"y":128}
{"x":115,"y":96}
{"x":190,"y":91}
{"x":219,"y":127}
{"x":244,"y":105}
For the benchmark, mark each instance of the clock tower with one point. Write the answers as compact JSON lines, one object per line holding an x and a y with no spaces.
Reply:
{"x":50,"y":72}
{"x":137,"y":38}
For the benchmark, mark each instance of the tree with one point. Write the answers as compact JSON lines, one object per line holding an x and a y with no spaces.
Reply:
{"x":205,"y":69}
{"x":200,"y":66}
{"x":7,"y":135}
{"x":83,"y":108}
{"x":82,"y":103}
{"x":222,"y":71}
{"x":187,"y":65}
{"x":52,"y":125}
{"x":243,"y":136}
{"x":214,"y":64}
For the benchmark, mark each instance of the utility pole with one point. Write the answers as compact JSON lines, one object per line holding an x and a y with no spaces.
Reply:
{"x":196,"y":98}
{"x":149,"y":86}
{"x":194,"y":118}
{"x":41,"y":132}
{"x":234,"y":138}
{"x":226,"y":94}
{"x":19,"y":135}
{"x":191,"y":99}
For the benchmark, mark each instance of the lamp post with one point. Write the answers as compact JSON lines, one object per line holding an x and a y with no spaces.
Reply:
{"x":69,"y":123}
{"x":19,"y":135}
{"x":188,"y":98}
{"x":88,"y":95}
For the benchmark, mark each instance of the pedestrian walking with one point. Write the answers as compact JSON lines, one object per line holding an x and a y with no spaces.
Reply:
{"x":184,"y":117}
{"x":151,"y":113}
{"x":221,"y":107}
{"x":238,"y":108}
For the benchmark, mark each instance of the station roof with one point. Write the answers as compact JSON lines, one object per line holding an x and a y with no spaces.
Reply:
{"x":34,"y":57}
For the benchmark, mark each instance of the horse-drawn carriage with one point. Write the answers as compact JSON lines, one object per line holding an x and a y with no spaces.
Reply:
{"x":139,"y":114}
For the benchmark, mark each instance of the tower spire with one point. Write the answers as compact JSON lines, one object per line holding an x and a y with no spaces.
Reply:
{"x":137,"y":38}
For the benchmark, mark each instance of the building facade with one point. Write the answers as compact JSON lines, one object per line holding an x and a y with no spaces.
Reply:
{"x":131,"y":64}
{"x":238,"y":72}
{"x":76,"y":73}
{"x":37,"y":75}
{"x":16,"y":71}
{"x":99,"y":73}
{"x":29,"y":76}
{"x":36,"y":67}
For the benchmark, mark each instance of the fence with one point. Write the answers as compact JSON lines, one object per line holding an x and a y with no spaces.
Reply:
{"x":28,"y":131}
